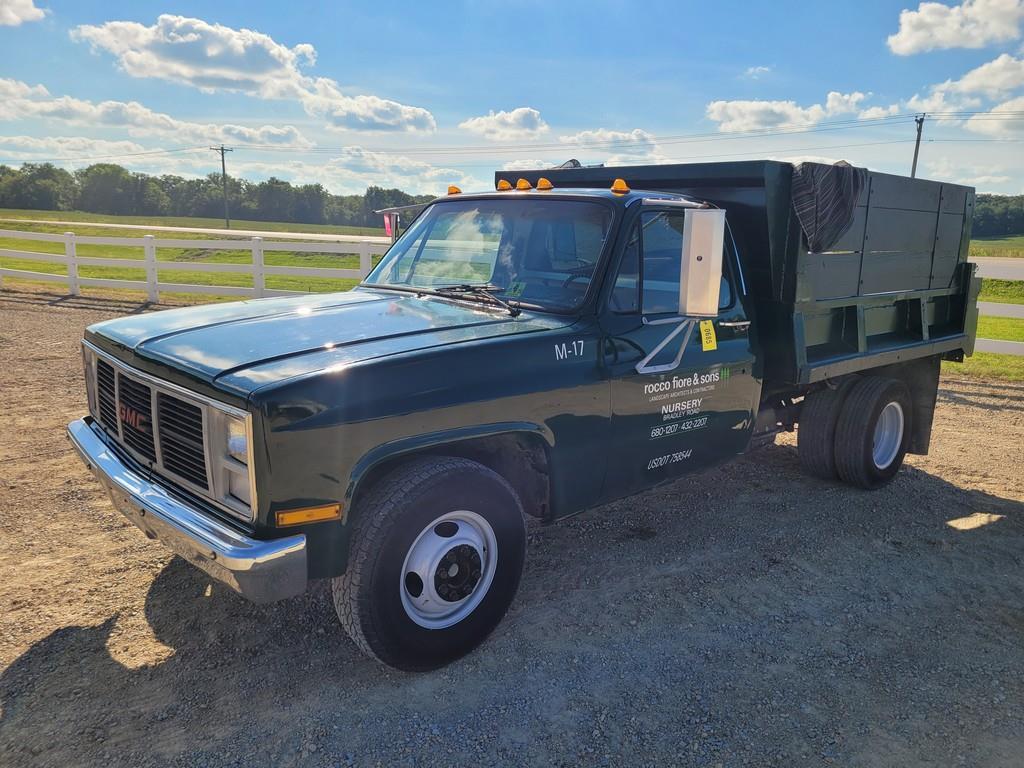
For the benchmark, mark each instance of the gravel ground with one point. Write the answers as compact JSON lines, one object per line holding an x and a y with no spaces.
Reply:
{"x":744,"y":616}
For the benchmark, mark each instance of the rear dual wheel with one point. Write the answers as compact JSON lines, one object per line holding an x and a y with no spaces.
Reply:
{"x":859,"y":432}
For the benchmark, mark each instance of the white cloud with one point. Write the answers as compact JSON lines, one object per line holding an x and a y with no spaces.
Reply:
{"x":519,"y":123}
{"x":995,"y":125}
{"x":746,"y":115}
{"x":14,"y":13}
{"x":755,"y":73}
{"x":972,"y":24}
{"x":993,"y":79}
{"x":136,"y":119}
{"x":208,"y":56}
{"x":876,"y":112}
{"x":528,"y":165}
{"x":366,"y":113}
{"x":354,"y":168}
{"x":635,"y":142}
{"x":213,"y":57}
{"x":15,"y":89}
{"x":27,"y":147}
{"x":944,"y":169}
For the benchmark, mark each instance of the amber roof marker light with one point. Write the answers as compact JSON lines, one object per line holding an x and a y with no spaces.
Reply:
{"x":620,"y":187}
{"x":453,"y":190}
{"x":504,"y":185}
{"x":544,"y":184}
{"x":523,"y":184}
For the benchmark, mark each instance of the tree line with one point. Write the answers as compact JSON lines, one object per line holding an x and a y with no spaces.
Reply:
{"x":998,"y":215}
{"x":110,"y":189}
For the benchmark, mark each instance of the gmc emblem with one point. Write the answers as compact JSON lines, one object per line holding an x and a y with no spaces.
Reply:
{"x":132,"y":418}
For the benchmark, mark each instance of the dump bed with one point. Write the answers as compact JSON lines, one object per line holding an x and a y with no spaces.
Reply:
{"x":849,"y":269}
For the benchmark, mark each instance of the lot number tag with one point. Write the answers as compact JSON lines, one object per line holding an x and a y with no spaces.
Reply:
{"x":708,"y":340}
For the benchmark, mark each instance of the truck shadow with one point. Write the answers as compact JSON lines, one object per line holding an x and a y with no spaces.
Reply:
{"x":239,"y":672}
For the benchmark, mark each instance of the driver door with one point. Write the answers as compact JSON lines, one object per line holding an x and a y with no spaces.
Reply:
{"x":683,"y":393}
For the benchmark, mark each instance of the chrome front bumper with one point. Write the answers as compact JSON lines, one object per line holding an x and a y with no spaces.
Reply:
{"x":262,"y":571}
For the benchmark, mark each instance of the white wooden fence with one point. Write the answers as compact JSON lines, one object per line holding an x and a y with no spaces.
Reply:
{"x":152,"y":285}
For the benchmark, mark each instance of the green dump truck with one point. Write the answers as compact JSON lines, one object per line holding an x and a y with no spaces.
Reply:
{"x":574,"y":337}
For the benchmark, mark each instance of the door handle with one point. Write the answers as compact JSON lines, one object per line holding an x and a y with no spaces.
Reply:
{"x":734,"y":323}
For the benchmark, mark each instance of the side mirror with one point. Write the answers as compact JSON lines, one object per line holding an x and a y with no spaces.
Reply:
{"x":700,"y":271}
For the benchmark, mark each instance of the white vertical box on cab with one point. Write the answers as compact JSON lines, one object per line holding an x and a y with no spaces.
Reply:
{"x":700,"y":274}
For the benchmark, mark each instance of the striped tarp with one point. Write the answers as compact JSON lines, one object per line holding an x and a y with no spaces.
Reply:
{"x":824,"y":198}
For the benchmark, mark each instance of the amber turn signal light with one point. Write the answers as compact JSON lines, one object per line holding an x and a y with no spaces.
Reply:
{"x":504,"y":185}
{"x":620,"y":186}
{"x":543,"y":183}
{"x":453,"y":190}
{"x":523,"y":184}
{"x":309,"y":515}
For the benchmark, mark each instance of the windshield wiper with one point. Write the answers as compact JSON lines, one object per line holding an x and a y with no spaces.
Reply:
{"x":480,"y":290}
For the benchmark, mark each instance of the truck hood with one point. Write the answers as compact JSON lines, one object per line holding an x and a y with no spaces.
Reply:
{"x":241,"y":346}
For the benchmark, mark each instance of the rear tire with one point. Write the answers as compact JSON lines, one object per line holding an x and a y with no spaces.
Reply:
{"x":873,"y":432}
{"x":816,"y":435}
{"x":435,"y":560}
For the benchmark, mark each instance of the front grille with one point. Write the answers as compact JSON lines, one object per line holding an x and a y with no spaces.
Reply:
{"x":136,"y":411}
{"x":172,"y":443}
{"x":178,"y":435}
{"x":181,"y":438}
{"x":107,"y":388}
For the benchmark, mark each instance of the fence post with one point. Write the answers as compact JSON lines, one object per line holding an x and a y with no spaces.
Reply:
{"x":149,"y":255}
{"x":364,"y":258}
{"x":71,"y":252}
{"x":258,"y":283}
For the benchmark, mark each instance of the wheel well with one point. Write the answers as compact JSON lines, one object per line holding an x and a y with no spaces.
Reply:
{"x":520,"y":458}
{"x":921,"y":378}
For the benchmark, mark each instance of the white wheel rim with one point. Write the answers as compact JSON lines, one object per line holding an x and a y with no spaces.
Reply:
{"x":448,"y":569}
{"x":888,"y":435}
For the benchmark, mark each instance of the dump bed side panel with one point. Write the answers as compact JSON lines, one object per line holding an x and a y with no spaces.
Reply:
{"x":894,"y":287}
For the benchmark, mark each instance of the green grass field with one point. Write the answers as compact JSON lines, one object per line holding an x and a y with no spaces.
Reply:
{"x":987,"y":365}
{"x":1002,"y":328}
{"x":1010,"y":247}
{"x":1002,"y":291}
{"x":178,"y":221}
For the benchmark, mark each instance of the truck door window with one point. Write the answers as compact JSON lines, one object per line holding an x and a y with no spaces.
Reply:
{"x":651,"y":261}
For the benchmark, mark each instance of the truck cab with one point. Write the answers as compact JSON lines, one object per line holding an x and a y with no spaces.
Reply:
{"x":526,"y":352}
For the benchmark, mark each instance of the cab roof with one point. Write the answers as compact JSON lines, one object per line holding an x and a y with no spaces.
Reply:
{"x":569,"y":193}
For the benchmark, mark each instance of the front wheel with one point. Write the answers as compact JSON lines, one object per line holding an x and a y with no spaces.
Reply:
{"x":436,"y":557}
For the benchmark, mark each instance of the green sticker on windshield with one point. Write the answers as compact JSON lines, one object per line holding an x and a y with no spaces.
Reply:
{"x":515,"y":290}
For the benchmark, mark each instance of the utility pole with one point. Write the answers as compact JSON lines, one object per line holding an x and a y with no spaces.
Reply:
{"x":224,"y":179}
{"x":917,"y":144}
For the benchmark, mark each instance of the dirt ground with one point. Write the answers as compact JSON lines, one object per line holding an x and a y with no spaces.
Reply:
{"x":744,"y":616}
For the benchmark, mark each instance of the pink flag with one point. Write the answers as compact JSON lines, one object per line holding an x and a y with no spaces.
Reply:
{"x":387,"y":225}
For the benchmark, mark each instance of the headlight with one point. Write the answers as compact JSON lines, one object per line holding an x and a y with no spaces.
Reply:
{"x":234,"y":479}
{"x":238,"y":440}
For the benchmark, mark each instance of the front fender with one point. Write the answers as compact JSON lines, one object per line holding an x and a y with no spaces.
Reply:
{"x":387,"y":452}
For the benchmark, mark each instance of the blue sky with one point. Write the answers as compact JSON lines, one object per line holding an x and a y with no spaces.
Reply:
{"x":417,"y":95}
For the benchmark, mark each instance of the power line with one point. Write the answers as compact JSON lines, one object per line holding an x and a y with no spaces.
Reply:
{"x":499,"y":150}
{"x":91,"y":158}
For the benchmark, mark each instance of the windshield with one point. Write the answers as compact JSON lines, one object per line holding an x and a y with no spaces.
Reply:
{"x":534,"y":252}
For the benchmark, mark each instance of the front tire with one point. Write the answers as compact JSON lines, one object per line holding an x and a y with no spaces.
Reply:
{"x":873,"y":432}
{"x":436,"y":557}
